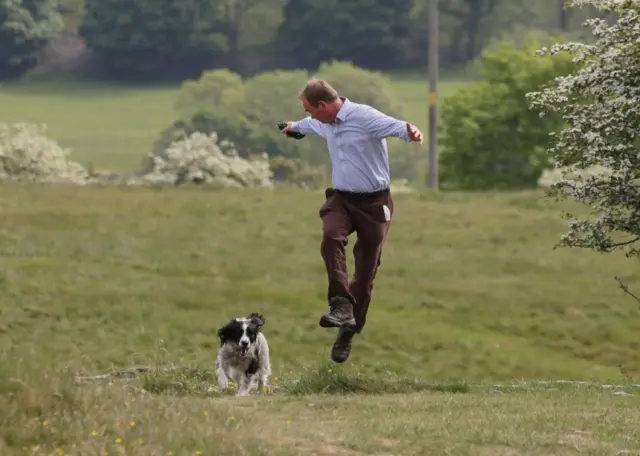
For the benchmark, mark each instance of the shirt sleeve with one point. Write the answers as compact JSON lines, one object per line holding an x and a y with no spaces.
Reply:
{"x":384,"y":126}
{"x":308,"y":126}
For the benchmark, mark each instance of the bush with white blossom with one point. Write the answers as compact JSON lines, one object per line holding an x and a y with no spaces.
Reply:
{"x":600,"y":106}
{"x":28,"y":155}
{"x":199,"y":158}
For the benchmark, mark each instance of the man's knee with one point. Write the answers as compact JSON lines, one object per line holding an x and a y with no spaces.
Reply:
{"x":333,"y":242}
{"x":373,"y":240}
{"x":334,"y":235}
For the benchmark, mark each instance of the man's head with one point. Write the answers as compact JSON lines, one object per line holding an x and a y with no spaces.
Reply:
{"x":320,"y":100}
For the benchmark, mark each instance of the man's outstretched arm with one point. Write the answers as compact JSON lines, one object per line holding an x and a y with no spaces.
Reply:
{"x":384,"y":126}
{"x":306,"y":126}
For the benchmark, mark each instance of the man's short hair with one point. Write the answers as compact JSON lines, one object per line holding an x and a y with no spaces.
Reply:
{"x":318,"y":90}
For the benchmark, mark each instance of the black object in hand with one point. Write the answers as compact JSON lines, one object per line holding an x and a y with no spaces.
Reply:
{"x":290,"y":134}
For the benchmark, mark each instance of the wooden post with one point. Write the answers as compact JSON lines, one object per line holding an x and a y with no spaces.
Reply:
{"x":433,"y":94}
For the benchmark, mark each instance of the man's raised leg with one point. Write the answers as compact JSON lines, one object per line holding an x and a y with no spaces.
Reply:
{"x":336,"y":227}
{"x":372,"y":229}
{"x":373,"y":224}
{"x":361,"y":288}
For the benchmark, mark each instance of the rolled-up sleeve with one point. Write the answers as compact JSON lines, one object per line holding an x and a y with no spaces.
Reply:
{"x":383,"y":126}
{"x":308,"y":126}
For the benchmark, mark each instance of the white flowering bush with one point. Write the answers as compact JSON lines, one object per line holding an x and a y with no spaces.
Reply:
{"x":600,"y":106}
{"x":199,"y":158}
{"x":27,"y":155}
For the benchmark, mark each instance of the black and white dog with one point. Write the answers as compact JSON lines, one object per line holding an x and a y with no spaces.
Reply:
{"x":243,"y":355}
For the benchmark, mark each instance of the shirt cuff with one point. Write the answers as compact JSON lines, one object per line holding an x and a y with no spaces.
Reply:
{"x":405,"y":134}
{"x":295,"y":126}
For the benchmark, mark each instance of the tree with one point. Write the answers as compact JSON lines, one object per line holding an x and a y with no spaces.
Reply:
{"x":154,"y":39}
{"x":600,"y":107}
{"x":26,"y":26}
{"x":371,"y":34}
{"x":234,"y":13}
{"x":72,"y":12}
{"x":564,"y":16}
{"x":470,"y":13}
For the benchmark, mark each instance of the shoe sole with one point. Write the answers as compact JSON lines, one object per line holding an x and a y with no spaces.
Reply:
{"x":339,"y":360}
{"x":329,"y":322}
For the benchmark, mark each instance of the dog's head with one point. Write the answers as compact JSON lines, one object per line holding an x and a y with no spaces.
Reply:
{"x":241,"y":333}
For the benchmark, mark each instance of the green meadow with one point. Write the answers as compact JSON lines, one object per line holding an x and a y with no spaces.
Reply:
{"x":472,"y":307}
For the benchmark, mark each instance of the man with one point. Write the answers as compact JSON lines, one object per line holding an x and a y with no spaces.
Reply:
{"x":361,"y":202}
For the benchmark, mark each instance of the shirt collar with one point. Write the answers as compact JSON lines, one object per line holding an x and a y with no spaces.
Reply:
{"x":345,"y":109}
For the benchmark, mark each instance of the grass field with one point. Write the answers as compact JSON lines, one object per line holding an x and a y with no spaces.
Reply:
{"x":113,"y":127}
{"x":470,"y":294}
{"x":471,"y":307}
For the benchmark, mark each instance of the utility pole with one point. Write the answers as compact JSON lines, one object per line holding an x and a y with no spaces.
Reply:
{"x":433,"y":94}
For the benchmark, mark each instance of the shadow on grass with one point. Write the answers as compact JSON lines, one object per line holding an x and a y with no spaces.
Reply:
{"x":329,"y":379}
{"x":186,"y":381}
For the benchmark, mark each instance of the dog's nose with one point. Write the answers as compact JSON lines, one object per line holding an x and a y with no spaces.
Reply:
{"x":244,"y":343}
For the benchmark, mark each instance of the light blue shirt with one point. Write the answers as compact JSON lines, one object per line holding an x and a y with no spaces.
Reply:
{"x":357,"y":145}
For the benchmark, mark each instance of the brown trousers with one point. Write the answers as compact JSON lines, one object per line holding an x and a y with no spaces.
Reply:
{"x":342,"y":214}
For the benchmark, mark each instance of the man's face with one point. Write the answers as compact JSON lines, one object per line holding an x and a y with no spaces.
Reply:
{"x":322,"y":112}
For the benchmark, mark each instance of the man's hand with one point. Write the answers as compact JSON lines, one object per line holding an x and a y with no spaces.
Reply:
{"x":285,"y":127}
{"x":414,"y":133}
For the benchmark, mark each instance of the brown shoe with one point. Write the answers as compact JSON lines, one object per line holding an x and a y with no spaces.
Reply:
{"x":342,"y":346}
{"x":340,"y":314}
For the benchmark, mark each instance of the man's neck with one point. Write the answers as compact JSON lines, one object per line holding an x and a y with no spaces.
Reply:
{"x":338,"y":105}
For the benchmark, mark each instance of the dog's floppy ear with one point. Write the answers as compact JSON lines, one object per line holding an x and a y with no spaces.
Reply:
{"x":257,"y":320}
{"x":223,"y":333}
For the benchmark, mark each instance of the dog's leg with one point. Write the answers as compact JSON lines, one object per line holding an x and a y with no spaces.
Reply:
{"x":223,"y":382}
{"x":246,"y":385}
{"x":264,"y":381}
{"x":253,"y":385}
{"x":265,"y":372}
{"x":236,"y":377}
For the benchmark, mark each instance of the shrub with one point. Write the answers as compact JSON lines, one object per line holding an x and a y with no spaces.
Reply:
{"x":298,"y":173}
{"x":27,"y":155}
{"x":214,"y":103}
{"x":201,"y":159}
{"x":246,"y":114}
{"x":361,"y":85}
{"x":216,"y":92}
{"x":491,"y":140}
{"x":273,"y":96}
